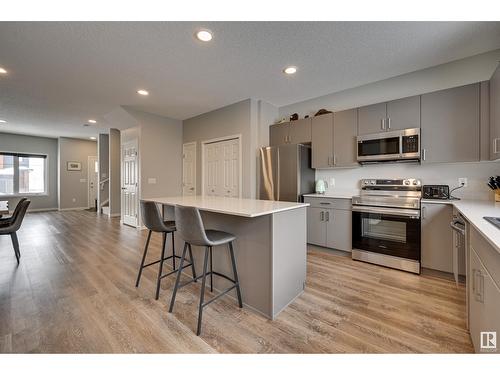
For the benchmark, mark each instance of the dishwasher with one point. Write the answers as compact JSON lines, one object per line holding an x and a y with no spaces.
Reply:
{"x":459,"y":226}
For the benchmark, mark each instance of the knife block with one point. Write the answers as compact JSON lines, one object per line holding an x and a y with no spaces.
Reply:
{"x":497,"y":195}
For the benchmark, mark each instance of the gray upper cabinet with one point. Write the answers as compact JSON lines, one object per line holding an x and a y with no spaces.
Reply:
{"x":278,"y":134}
{"x":344,"y":138}
{"x":450,"y":125}
{"x":290,"y":132}
{"x":322,"y":141}
{"x":403,"y":113}
{"x":300,"y":131}
{"x":495,"y":115}
{"x":371,"y":118}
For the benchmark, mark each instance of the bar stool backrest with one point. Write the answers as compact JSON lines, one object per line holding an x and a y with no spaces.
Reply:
{"x":190,"y":225}
{"x":152,"y":217}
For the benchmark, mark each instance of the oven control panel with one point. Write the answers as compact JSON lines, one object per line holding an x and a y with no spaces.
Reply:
{"x":381,"y":183}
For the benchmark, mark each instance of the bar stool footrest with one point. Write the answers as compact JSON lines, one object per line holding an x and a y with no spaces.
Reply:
{"x":159,"y":260}
{"x":219,"y":295}
{"x":175,"y":270}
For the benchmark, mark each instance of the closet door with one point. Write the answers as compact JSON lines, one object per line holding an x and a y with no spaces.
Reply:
{"x":222,"y":168}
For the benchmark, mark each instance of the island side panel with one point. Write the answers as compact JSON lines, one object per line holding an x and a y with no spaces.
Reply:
{"x":252,"y":247}
{"x":289,"y":257}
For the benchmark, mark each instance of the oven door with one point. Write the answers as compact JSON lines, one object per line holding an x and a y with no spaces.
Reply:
{"x":388,"y":231}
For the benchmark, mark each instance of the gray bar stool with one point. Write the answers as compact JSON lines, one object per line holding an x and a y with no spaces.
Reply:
{"x":191,"y":229}
{"x":153,"y":220}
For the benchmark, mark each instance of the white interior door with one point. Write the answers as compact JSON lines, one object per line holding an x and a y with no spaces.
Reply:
{"x":189,"y":168}
{"x":222,"y":168}
{"x":92,"y":172}
{"x":130,"y":182}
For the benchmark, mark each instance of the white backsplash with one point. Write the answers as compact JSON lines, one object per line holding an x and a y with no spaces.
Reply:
{"x":430,"y":174}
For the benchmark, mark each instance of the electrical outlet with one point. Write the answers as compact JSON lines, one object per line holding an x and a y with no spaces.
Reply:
{"x":462,"y":181}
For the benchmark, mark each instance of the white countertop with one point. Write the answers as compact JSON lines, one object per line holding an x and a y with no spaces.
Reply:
{"x":474,"y":211}
{"x":230,"y":206}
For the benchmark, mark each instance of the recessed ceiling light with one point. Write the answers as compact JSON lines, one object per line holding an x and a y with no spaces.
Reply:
{"x":2,"y":70}
{"x":93,"y":138}
{"x":2,"y":121}
{"x":290,"y":70}
{"x":204,"y":35}
{"x":93,"y":121}
{"x":142,"y":92}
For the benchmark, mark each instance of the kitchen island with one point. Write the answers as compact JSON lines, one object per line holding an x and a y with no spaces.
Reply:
{"x":270,"y":246}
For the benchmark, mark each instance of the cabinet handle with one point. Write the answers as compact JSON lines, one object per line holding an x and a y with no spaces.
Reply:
{"x":382,"y":124}
{"x":474,"y":281}
{"x":330,"y":161}
{"x":423,"y":154}
{"x":327,"y":215}
{"x":495,"y":145}
{"x":322,"y":216}
{"x":388,"y":123}
{"x":334,"y":159}
{"x":479,"y":295}
{"x":325,"y":203}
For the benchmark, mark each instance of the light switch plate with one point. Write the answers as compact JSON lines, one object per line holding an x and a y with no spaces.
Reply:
{"x":83,"y":180}
{"x":151,"y":181}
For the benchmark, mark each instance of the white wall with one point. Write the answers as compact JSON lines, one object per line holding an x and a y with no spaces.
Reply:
{"x":160,"y":153}
{"x":73,"y":185}
{"x":430,"y":174}
{"x":456,"y":73}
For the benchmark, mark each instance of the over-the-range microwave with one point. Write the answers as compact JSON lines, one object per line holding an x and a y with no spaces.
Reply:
{"x":397,"y":145}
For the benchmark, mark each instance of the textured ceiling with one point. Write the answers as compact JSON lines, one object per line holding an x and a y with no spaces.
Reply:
{"x":61,"y":74}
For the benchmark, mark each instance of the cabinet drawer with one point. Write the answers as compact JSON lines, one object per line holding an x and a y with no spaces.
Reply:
{"x":489,"y":256}
{"x":339,"y":203}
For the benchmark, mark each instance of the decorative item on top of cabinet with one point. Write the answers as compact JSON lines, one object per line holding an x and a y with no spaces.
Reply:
{"x":294,"y":117}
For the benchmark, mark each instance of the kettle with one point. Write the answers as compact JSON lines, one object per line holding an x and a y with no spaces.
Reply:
{"x":321,"y":186}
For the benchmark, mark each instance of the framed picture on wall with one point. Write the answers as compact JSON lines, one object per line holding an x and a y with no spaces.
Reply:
{"x":74,"y":166}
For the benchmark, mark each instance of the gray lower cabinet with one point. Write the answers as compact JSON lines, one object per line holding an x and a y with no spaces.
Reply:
{"x":450,"y":125}
{"x":403,"y":113}
{"x":437,"y":237}
{"x":290,"y":132}
{"x":329,"y":223}
{"x":371,"y":118}
{"x":334,"y":140}
{"x":339,"y":229}
{"x":494,"y":108}
{"x":483,"y":293}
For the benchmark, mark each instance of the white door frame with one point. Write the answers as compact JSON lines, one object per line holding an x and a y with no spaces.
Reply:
{"x":221,"y":139}
{"x":138,"y":191}
{"x":97,"y":184}
{"x":195,"y":156}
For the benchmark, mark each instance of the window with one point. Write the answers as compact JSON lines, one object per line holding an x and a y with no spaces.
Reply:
{"x":22,"y":173}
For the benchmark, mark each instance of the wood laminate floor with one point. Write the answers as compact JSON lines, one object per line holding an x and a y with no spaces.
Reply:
{"x":74,"y":292}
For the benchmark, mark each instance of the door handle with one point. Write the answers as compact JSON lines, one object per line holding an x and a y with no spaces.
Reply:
{"x":423,"y":212}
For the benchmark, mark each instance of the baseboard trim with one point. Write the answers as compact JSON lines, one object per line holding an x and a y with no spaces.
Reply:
{"x":73,"y":209}
{"x":114,"y":215}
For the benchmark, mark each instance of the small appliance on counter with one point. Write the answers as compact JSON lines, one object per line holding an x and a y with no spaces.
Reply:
{"x":321,"y":186}
{"x":435,"y":192}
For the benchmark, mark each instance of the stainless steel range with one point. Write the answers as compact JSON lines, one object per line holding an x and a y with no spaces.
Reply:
{"x":386,"y":223}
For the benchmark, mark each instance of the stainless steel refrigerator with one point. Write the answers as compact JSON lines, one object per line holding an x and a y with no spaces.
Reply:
{"x":285,"y":173}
